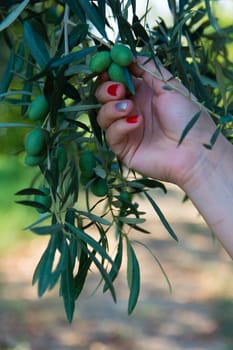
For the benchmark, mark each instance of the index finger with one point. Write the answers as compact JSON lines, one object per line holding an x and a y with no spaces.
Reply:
{"x":110,"y":91}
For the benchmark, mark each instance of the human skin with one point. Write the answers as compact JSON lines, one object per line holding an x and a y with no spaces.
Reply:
{"x":144,"y":130}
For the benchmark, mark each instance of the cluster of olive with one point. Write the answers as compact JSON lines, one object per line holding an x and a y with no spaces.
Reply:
{"x":35,"y":141}
{"x":36,"y":147}
{"x":113,"y":61}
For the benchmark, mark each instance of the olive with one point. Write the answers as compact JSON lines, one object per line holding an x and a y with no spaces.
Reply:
{"x":116,"y":73}
{"x":121,"y":55}
{"x":100,"y":61}
{"x":35,"y":142}
{"x":38,"y":109}
{"x":34,"y":160}
{"x":87,"y":163}
{"x":99,"y":187}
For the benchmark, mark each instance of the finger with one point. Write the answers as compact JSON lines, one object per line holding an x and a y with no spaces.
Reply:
{"x":113,"y":110}
{"x":109,"y":91}
{"x":118,"y":132}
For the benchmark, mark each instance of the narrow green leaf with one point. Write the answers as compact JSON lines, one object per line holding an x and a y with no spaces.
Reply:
{"x":117,"y":263}
{"x":77,"y":9}
{"x":189,"y":126}
{"x":139,"y":31}
{"x":63,"y":262}
{"x":94,"y":16}
{"x":36,"y":44}
{"x":67,"y":291}
{"x":161,"y":216}
{"x":84,"y":266}
{"x":80,"y":108}
{"x":94,"y":217}
{"x":16,"y":125}
{"x":221,"y":83}
{"x":43,"y":270}
{"x":73,"y":56}
{"x":131,"y":221}
{"x":214,"y":137}
{"x":30,"y":191}
{"x":8,"y":74}
{"x":128,"y":80}
{"x":13,"y":15}
{"x":76,"y":36}
{"x":211,"y":16}
{"x":126,"y":33}
{"x":47,"y":230}
{"x":33,"y":204}
{"x":38,"y":221}
{"x":145,"y":182}
{"x":115,"y":7}
{"x":133,"y":4}
{"x":133,"y":276}
{"x":104,"y":274}
{"x":15,"y":92}
{"x":140,"y":229}
{"x":90,"y":241}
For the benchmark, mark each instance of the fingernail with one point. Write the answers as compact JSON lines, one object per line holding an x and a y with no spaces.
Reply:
{"x":133,"y":119}
{"x":112,"y":89}
{"x":121,"y":106}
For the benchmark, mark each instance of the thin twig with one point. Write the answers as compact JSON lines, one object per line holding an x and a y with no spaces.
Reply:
{"x":175,"y":88}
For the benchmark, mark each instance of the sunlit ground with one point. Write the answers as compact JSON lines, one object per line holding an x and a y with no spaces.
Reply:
{"x":197,"y":315}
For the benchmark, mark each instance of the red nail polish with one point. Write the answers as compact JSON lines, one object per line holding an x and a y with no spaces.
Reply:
{"x":132,"y":119}
{"x":112,"y":89}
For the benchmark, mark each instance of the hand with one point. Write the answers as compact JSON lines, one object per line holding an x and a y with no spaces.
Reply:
{"x":144,"y":130}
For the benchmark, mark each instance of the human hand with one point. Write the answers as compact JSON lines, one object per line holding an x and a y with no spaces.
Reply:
{"x":144,"y":130}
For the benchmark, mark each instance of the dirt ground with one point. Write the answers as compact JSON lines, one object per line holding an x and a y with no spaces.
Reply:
{"x":197,"y":315}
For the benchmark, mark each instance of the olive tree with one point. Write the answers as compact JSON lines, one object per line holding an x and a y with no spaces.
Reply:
{"x":56,"y":51}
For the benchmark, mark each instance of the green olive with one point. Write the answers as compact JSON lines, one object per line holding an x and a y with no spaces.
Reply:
{"x":34,"y":160}
{"x":35,"y":142}
{"x":87,"y":163}
{"x":121,"y":55}
{"x":99,"y":187}
{"x":125,"y":197}
{"x":38,"y":109}
{"x":44,"y":200}
{"x":100,"y":61}
{"x":116,"y":73}
{"x":61,"y":158}
{"x":84,"y":180}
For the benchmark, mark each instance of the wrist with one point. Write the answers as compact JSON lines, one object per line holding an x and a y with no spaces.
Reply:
{"x":211,"y":191}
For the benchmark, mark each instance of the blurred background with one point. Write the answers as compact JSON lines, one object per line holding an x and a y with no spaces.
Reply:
{"x":197,"y":314}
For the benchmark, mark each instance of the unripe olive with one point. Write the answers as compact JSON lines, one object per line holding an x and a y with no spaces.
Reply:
{"x":61,"y":158}
{"x":116,"y":73}
{"x":35,"y":142}
{"x":125,"y":197}
{"x":45,"y":199}
{"x":121,"y":55}
{"x":34,"y":160}
{"x":87,"y":163}
{"x":99,"y":187}
{"x":84,"y":180}
{"x":38,"y":109}
{"x":100,"y":61}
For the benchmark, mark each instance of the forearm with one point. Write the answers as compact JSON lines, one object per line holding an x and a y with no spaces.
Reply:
{"x":212,"y":194}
